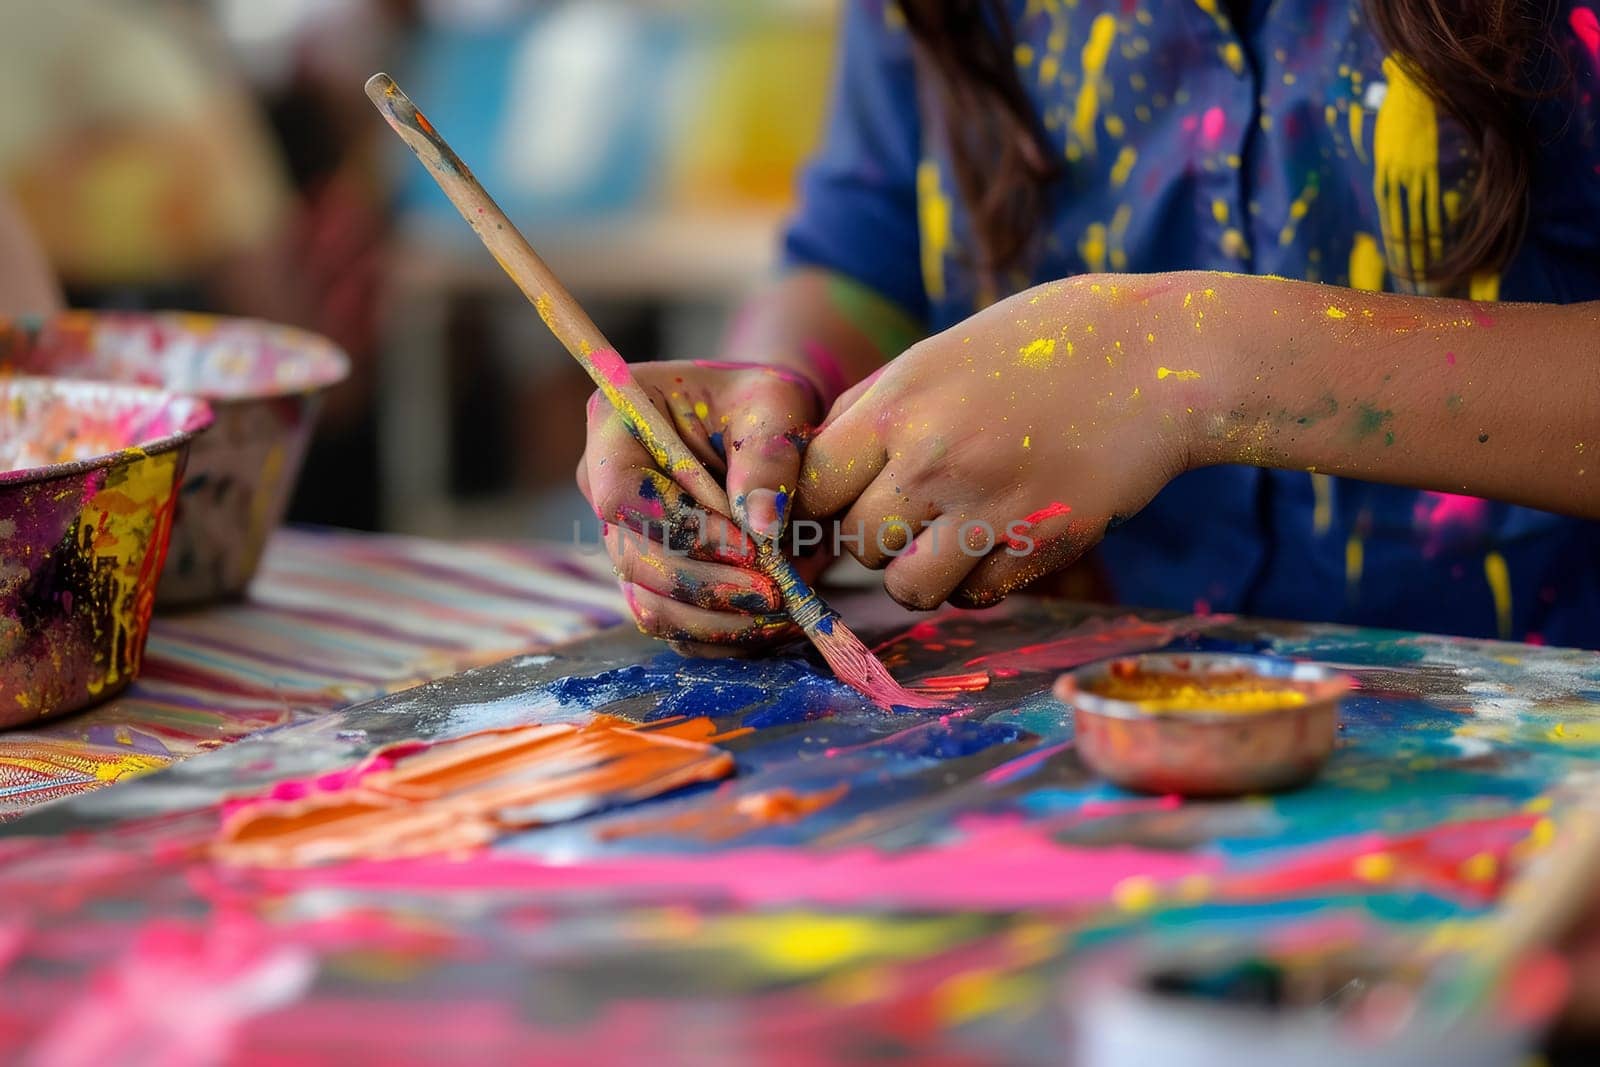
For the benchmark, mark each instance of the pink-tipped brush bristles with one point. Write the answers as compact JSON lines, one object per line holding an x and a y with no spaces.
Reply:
{"x":850,"y":659}
{"x":845,"y":654}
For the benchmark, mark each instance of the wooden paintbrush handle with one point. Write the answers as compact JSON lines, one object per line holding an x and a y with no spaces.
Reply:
{"x":560,"y":311}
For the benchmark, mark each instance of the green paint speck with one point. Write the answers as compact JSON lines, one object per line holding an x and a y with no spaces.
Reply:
{"x":1369,"y":420}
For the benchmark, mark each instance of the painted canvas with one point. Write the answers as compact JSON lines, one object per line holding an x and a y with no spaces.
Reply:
{"x":611,"y":851}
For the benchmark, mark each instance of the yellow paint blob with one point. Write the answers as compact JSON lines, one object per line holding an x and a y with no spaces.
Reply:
{"x":1336,"y":313}
{"x":1037,"y":353}
{"x":1354,"y":553}
{"x":1118,"y":236}
{"x":1322,"y":511}
{"x":1375,"y":867}
{"x":1123,"y":167}
{"x":1162,"y":373}
{"x":1135,"y":893}
{"x":1102,"y":31}
{"x":1367,"y":269}
{"x":1405,"y":182}
{"x":1092,"y":247}
{"x":1237,"y":692}
{"x":933,"y":215}
{"x":1499,"y":578}
{"x":1357,"y":117}
{"x":1480,"y":867}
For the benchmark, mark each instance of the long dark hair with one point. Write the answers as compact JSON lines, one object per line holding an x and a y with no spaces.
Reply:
{"x":1473,"y":57}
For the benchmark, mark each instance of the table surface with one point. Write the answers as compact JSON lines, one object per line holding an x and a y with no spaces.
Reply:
{"x":333,"y":618}
{"x":931,"y":910}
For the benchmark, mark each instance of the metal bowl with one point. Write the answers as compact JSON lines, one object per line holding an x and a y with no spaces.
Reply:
{"x":89,"y":475}
{"x":1203,"y":749}
{"x":264,"y":382}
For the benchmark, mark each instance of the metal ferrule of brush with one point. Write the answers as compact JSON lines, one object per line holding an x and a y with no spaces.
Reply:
{"x":804,"y":606}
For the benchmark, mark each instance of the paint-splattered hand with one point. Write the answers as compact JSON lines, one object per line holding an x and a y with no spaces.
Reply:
{"x":1000,"y":450}
{"x":689,"y":574}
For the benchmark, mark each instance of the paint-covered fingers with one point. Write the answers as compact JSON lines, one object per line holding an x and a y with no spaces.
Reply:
{"x":625,"y":487}
{"x":672,"y":620}
{"x":772,"y":417}
{"x":939,"y":560}
{"x":712,"y":586}
{"x":884,"y":520}
{"x":847,"y":454}
{"x":1028,"y":551}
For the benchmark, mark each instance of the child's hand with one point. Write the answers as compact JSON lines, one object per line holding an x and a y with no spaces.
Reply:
{"x":1005,"y":445}
{"x":689,"y":574}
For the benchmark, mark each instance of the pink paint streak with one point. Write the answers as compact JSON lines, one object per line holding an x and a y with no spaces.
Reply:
{"x":1450,"y":358}
{"x":611,"y":366}
{"x":179,"y":992}
{"x":1445,"y":517}
{"x":1089,"y":641}
{"x":1586,"y":26}
{"x":1052,"y":510}
{"x":994,"y":863}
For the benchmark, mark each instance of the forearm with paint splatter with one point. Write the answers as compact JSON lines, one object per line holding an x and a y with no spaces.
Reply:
{"x":1490,"y":400}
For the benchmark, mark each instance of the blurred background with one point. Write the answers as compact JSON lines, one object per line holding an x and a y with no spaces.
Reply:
{"x":220,"y":155}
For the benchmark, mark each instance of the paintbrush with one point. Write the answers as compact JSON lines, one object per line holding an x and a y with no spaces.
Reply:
{"x":842,"y":650}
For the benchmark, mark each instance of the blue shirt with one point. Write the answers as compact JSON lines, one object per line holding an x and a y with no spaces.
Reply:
{"x":1191,"y":143}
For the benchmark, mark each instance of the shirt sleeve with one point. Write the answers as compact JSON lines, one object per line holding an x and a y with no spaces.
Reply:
{"x":858,"y":194}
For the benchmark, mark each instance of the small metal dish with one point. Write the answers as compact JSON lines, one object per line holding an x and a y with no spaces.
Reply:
{"x":1202,"y":747}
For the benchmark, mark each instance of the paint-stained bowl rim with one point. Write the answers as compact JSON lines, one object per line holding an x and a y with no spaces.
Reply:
{"x":1321,"y":685}
{"x":192,"y":413}
{"x":327,"y":364}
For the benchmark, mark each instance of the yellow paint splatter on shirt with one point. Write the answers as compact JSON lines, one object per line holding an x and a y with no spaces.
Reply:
{"x":1322,"y":510}
{"x":1354,"y":558}
{"x":1118,"y":237}
{"x":1367,"y":269}
{"x":1405,"y":174}
{"x":1499,"y":578}
{"x":933,"y":213}
{"x":1123,"y":167}
{"x":1357,"y":117}
{"x":1092,"y":247}
{"x":1163,"y":373}
{"x":1102,"y":31}
{"x":701,"y":410}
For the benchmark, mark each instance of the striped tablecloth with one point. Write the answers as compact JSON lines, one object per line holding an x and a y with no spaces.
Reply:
{"x":333,"y":619}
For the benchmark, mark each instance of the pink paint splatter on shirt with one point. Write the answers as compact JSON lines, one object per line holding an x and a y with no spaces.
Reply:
{"x":1586,"y":25}
{"x":1212,"y":125}
{"x":1446,"y":516}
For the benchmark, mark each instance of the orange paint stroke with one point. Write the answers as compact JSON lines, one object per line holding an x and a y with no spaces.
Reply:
{"x":465,"y":792}
{"x":724,"y":818}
